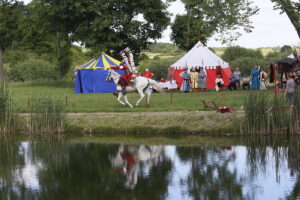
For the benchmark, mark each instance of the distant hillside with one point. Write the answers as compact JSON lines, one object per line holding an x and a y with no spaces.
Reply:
{"x":167,"y":50}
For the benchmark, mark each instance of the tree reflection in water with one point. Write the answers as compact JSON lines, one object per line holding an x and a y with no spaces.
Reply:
{"x":53,"y":168}
{"x":211,"y":176}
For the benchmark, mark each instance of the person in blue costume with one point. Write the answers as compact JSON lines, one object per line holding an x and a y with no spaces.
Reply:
{"x":186,"y":87}
{"x":255,"y":80}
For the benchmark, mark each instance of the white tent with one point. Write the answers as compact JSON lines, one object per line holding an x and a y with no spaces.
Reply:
{"x":200,"y":56}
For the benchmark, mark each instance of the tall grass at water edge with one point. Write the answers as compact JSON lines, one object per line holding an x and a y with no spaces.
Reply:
{"x":269,"y":114}
{"x":8,"y":119}
{"x":47,"y":115}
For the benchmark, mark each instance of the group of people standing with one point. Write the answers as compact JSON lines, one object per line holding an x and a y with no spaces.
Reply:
{"x":196,"y":81}
{"x":193,"y":80}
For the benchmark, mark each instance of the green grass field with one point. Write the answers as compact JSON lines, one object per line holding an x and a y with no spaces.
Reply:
{"x":108,"y":103}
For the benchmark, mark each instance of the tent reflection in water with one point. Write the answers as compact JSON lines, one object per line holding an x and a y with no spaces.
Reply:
{"x":201,"y":56}
{"x":90,"y":78}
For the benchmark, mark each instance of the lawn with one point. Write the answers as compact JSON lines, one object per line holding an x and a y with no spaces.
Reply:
{"x":108,"y":103}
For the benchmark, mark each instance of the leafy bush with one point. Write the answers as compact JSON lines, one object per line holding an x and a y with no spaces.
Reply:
{"x":159,"y":66}
{"x":32,"y":69}
{"x":286,"y":49}
{"x":165,"y":48}
{"x":236,"y":52}
{"x":246,"y":64}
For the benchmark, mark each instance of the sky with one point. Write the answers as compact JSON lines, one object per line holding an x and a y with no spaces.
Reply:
{"x":271,"y":28}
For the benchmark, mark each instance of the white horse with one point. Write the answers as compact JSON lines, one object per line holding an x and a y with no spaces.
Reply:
{"x":141,"y":85}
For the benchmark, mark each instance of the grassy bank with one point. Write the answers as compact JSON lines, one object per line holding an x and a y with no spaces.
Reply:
{"x":145,"y":123}
{"x":151,"y":123}
{"x":107,"y":102}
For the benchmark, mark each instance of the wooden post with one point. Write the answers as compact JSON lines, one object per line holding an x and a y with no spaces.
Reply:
{"x":66,"y":100}
{"x":171,"y":97}
{"x":28,"y":103}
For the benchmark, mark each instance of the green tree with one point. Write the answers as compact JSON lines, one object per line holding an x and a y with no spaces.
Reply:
{"x":235,"y":52}
{"x":245,"y":64}
{"x":286,"y":49}
{"x":112,"y":25}
{"x":10,"y":13}
{"x":48,"y":25}
{"x":159,"y":67}
{"x":292,"y":9}
{"x":222,"y":17}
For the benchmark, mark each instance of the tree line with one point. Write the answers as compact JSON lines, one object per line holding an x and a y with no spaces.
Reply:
{"x":43,"y":32}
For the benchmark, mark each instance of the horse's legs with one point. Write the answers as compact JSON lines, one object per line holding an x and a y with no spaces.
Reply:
{"x":148,"y":98}
{"x":140,"y":91}
{"x":120,"y":94}
{"x":126,"y":100}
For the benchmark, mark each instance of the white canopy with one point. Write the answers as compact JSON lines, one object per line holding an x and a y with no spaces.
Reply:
{"x":292,"y":56}
{"x":200,"y":56}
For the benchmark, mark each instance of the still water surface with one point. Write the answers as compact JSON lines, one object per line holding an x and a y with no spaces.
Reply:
{"x":60,"y":169}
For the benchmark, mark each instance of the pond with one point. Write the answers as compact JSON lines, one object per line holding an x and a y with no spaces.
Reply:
{"x":72,"y":168}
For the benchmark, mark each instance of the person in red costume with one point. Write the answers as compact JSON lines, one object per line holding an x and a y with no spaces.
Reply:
{"x":148,"y":74}
{"x":136,"y":74}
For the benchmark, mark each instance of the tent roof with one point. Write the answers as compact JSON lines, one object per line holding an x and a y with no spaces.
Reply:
{"x":103,"y":62}
{"x":200,"y":56}
{"x":89,"y":65}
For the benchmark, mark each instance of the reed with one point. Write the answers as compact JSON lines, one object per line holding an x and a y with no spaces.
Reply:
{"x":265,"y":114}
{"x":47,"y":115}
{"x":256,"y":117}
{"x":296,"y":108}
{"x":8,"y":119}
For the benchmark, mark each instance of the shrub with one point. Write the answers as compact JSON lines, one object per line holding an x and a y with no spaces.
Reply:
{"x":33,"y":69}
{"x":160,"y":67}
{"x":245,"y":64}
{"x":236,"y":52}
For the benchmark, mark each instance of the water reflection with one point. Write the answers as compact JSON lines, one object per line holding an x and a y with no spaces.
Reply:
{"x":128,"y":159}
{"x":57,"y":169}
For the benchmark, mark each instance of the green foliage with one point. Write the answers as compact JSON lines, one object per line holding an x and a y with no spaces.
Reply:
{"x":32,"y":69}
{"x":286,"y":49}
{"x":79,"y":55}
{"x":164,"y":48}
{"x":159,"y":66}
{"x":246,"y":64}
{"x":10,"y":13}
{"x":235,"y":52}
{"x":111,"y":26}
{"x":275,"y":55}
{"x":209,"y":18}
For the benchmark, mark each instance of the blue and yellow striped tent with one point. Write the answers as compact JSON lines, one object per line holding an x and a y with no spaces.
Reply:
{"x":91,"y":76}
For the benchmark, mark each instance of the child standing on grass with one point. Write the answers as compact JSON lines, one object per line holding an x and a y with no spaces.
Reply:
{"x":290,"y":89}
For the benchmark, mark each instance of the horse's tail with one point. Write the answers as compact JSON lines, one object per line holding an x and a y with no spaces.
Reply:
{"x":156,"y":85}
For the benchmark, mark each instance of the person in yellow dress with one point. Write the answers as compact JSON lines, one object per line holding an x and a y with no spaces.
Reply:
{"x":194,"y":79}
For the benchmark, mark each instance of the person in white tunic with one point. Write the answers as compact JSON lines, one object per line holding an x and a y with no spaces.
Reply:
{"x":219,"y":83}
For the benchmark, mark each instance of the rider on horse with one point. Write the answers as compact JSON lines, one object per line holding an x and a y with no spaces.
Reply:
{"x":128,"y":63}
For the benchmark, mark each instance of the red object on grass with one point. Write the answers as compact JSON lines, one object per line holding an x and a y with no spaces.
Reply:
{"x":224,"y":109}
